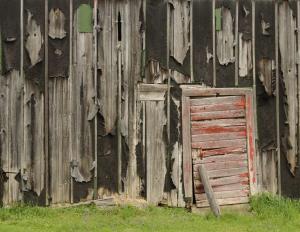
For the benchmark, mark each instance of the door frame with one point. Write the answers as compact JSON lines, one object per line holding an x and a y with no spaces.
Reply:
{"x":189,"y":91}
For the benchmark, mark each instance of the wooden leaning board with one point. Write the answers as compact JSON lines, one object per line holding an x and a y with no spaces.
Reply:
{"x":220,"y":137}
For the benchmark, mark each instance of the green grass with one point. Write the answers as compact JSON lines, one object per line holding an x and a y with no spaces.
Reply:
{"x":268,"y":213}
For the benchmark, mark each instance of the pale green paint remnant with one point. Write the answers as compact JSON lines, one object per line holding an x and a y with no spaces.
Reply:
{"x":218,"y":15}
{"x":85,"y":18}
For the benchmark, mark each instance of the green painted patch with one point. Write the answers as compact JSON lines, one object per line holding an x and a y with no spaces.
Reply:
{"x":85,"y":18}
{"x":218,"y":15}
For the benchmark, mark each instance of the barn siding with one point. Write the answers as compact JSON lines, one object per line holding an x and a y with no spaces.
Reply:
{"x":57,"y":132}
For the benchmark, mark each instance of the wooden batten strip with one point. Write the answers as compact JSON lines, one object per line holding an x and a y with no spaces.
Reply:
{"x":70,"y":97}
{"x":278,"y":136}
{"x":95,"y":43}
{"x":236,"y":48}
{"x":46,"y":112}
{"x":214,"y":42}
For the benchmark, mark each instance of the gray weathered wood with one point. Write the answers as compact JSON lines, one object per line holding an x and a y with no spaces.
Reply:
{"x":187,"y":153}
{"x":156,"y":151}
{"x":288,"y":51}
{"x":209,"y":191}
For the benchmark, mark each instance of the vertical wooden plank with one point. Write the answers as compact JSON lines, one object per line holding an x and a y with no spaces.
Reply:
{"x":95,"y":43}
{"x":278,"y":140}
{"x":179,"y":40}
{"x":48,"y":194}
{"x":225,"y":44}
{"x":288,"y":53}
{"x":71,"y":147}
{"x":246,"y":28}
{"x":202,"y":40}
{"x":83,"y":109}
{"x":156,"y":151}
{"x":264,"y":53}
{"x":214,"y":43}
{"x":12,"y":98}
{"x":156,"y":41}
{"x":251,"y":144}
{"x":236,"y":50}
{"x":187,"y":155}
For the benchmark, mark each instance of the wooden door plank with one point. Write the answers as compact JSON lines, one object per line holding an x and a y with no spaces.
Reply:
{"x":218,"y":115}
{"x":216,"y":100}
{"x":227,"y":172}
{"x":219,"y":123}
{"x":227,"y":201}
{"x":223,"y":165}
{"x":224,"y":194}
{"x":221,"y":158}
{"x":195,"y":91}
{"x":223,"y":181}
{"x":219,"y":144}
{"x":229,"y":187}
{"x":219,"y":136}
{"x":217,"y":129}
{"x":217,"y":107}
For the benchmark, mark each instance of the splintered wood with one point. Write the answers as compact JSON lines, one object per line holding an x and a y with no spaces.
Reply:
{"x":219,"y":142}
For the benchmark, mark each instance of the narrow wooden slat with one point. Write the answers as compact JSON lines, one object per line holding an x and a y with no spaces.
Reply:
{"x":219,"y":123}
{"x":223,"y":165}
{"x":218,"y":115}
{"x":187,"y":153}
{"x":227,"y":201}
{"x":218,"y":100}
{"x":251,"y":144}
{"x":152,"y":88}
{"x":222,"y":181}
{"x":219,"y":144}
{"x":222,"y":158}
{"x":195,"y":91}
{"x":230,"y":187}
{"x":217,"y":129}
{"x":227,"y":172}
{"x":217,"y":107}
{"x":224,"y":194}
{"x":219,"y":136}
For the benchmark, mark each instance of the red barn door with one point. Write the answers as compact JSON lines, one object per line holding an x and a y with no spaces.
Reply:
{"x":220,"y":136}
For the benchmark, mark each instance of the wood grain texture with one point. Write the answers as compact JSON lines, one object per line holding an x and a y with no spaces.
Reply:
{"x":156,"y":151}
{"x":224,"y":147}
{"x":187,"y":154}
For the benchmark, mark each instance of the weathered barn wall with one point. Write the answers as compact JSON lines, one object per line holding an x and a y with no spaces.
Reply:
{"x":90,"y":93}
